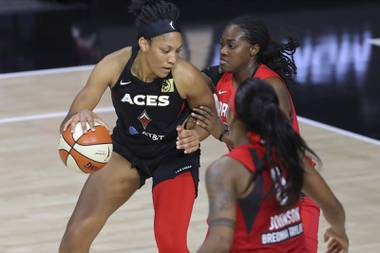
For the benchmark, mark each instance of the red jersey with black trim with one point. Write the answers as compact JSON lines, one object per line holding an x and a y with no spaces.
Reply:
{"x":260,"y":225}
{"x":225,"y":92}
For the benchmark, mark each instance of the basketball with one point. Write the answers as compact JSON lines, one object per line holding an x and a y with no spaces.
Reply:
{"x":85,"y":152}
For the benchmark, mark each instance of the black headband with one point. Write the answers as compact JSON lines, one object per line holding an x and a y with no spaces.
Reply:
{"x":157,"y":28}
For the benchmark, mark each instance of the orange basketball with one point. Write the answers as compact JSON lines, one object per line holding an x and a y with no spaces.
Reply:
{"x":85,"y":152}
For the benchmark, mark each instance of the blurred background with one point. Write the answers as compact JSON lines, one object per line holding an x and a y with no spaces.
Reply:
{"x":338,"y":61}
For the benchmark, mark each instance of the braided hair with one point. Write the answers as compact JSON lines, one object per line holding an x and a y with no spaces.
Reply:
{"x":257,"y":106}
{"x":147,"y":11}
{"x":277,"y":56}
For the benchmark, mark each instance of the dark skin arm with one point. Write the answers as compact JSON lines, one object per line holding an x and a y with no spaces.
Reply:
{"x":223,"y":188}
{"x":316,"y":188}
{"x":283,"y":95}
{"x":210,"y":121}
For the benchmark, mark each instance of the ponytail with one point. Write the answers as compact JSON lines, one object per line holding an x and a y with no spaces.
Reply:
{"x":280,"y":58}
{"x":257,"y":106}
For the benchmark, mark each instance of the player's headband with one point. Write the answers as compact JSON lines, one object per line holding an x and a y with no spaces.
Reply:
{"x":157,"y":28}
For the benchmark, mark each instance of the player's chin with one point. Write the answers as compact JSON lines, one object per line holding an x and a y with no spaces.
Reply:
{"x":163,"y":72}
{"x":226,"y":67}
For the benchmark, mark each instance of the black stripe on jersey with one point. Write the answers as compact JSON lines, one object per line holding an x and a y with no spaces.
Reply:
{"x":250,"y":205}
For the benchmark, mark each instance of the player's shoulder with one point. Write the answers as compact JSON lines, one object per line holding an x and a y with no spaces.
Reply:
{"x":117,"y":58}
{"x":226,"y":172}
{"x":113,"y":64}
{"x":185,"y":70}
{"x":225,"y":167}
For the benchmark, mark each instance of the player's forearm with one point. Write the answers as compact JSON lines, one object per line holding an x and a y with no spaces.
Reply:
{"x":335,"y":215}
{"x":81,"y":102}
{"x":190,"y":123}
{"x":214,"y":245}
{"x":202,"y":133}
{"x":227,"y":139}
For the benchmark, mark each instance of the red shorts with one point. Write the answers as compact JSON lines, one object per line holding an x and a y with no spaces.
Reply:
{"x":310,"y":218}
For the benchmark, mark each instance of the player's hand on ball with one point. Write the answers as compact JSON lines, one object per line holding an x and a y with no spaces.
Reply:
{"x":86,"y":118}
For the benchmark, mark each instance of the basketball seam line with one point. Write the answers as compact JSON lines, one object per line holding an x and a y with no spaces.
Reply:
{"x":70,"y":154}
{"x":93,"y":144}
{"x":87,"y":157}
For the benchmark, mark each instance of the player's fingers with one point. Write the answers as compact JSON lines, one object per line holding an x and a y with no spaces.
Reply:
{"x":199,"y":117}
{"x":191,"y":147}
{"x":331,"y":243}
{"x":84,"y":119}
{"x":202,"y":112}
{"x":181,"y":142}
{"x":333,"y":247}
{"x":179,"y":129}
{"x":191,"y":150}
{"x":91,"y":122}
{"x":67,"y":123}
{"x":186,"y":139}
{"x":73,"y":124}
{"x":189,"y":139}
{"x":206,"y":109}
{"x":203,"y":125}
{"x":187,"y":133}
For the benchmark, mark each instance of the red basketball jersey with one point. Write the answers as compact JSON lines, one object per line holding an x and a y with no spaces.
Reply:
{"x":225,"y":92}
{"x":260,"y":225}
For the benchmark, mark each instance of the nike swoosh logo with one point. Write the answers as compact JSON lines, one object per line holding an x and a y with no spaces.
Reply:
{"x":171,"y":24}
{"x":124,"y":83}
{"x":222,"y":92}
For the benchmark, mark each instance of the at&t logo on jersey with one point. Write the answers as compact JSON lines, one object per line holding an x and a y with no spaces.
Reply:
{"x":153,"y":136}
{"x":146,"y":100}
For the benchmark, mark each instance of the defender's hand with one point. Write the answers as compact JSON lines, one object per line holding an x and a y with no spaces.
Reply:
{"x":208,"y":120}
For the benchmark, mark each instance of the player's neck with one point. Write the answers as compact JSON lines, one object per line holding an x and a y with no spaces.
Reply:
{"x":145,"y":74}
{"x":245,"y":73}
{"x":239,"y":137}
{"x":241,"y":140}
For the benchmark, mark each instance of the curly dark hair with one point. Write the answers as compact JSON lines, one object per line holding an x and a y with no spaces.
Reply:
{"x":147,"y":11}
{"x":257,"y":106}
{"x":277,"y":56}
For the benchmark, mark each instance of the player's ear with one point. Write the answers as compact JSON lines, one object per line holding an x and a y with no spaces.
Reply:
{"x":254,"y":50}
{"x":143,"y":44}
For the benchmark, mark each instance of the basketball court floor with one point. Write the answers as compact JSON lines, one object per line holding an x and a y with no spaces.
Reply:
{"x":38,"y":194}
